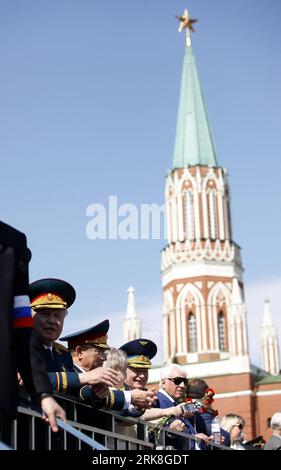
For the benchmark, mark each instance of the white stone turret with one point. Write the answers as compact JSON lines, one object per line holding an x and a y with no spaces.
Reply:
{"x":132,"y":322}
{"x":270,"y":344}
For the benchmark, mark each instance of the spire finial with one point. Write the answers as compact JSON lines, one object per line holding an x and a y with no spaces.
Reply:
{"x":186,"y":23}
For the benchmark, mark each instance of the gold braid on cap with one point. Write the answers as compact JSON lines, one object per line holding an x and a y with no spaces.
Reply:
{"x":100,"y":342}
{"x":48,"y":300}
{"x":139,"y":361}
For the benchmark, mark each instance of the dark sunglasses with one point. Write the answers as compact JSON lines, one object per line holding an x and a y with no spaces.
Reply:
{"x":178,"y":380}
{"x":240,"y":426}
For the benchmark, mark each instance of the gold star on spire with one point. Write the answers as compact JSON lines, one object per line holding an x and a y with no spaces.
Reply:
{"x":186,"y":23}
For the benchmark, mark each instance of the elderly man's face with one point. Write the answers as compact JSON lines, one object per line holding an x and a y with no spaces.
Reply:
{"x":48,"y":324}
{"x":91,"y":357}
{"x":136,"y":377}
{"x":175,"y":390}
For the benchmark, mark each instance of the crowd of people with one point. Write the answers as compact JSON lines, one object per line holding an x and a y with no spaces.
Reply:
{"x":32,"y":320}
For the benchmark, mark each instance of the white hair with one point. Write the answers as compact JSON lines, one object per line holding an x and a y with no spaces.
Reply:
{"x":275,"y":422}
{"x":168,"y":371}
{"x":116,"y":359}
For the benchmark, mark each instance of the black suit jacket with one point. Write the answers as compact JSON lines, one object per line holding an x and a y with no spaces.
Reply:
{"x":19,"y":348}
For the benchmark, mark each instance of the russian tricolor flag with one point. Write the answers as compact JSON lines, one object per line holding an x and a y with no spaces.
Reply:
{"x":22,"y":312}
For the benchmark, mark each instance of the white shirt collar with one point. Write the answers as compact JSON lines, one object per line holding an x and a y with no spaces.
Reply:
{"x":79,"y":367}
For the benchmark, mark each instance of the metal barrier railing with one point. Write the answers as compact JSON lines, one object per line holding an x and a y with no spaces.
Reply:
{"x":188,"y":441}
{"x":80,"y":436}
{"x":119,"y":432}
{"x":4,"y":446}
{"x":33,"y":419}
{"x":97,"y":429}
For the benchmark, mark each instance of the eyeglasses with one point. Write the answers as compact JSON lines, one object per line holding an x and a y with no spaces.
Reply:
{"x":178,"y":380}
{"x":240,"y":426}
{"x":99,"y":351}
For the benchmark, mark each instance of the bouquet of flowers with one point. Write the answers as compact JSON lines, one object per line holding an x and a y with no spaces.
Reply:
{"x":204,"y":404}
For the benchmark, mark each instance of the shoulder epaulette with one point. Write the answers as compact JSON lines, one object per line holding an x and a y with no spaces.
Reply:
{"x":60,"y":348}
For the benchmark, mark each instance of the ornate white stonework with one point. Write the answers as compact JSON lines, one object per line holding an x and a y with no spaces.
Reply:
{"x":179,"y":287}
{"x":199,"y":250}
{"x":204,"y":317}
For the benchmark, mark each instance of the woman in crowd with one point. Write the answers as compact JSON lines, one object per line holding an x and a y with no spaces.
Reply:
{"x":234,"y":425}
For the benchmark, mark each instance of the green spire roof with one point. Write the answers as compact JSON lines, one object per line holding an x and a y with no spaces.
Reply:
{"x":194,"y":144}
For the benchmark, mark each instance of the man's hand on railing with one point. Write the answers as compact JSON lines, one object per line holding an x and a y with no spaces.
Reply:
{"x":142,"y":399}
{"x":177,"y":425}
{"x":100,"y":375}
{"x":52,"y":410}
{"x":211,"y":439}
{"x":203,"y":437}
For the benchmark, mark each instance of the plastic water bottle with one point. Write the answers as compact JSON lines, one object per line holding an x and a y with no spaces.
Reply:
{"x":216,"y":430}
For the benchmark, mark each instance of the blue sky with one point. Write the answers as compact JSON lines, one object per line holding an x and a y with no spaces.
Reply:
{"x":88,"y":107}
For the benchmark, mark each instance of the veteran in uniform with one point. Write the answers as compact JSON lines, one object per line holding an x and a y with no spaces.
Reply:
{"x":50,"y":298}
{"x":139,"y":352}
{"x":88,"y":348}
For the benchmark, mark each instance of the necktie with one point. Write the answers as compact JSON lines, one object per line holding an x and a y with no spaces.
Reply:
{"x":49,"y":355}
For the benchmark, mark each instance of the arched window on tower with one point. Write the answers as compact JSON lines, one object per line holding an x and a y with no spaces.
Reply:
{"x":222,"y":331}
{"x":192,"y":333}
{"x":189,"y":215}
{"x":213,"y":220}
